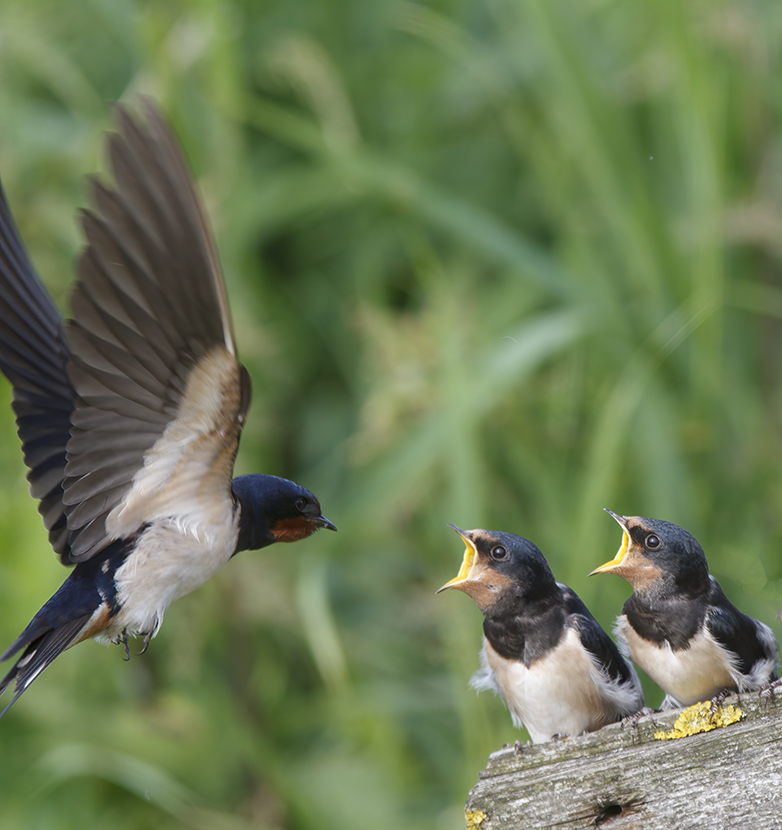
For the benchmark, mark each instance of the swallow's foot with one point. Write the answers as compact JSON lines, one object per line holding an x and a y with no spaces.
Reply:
{"x":719,"y":699}
{"x":147,"y":638}
{"x":767,"y":692}
{"x":633,"y":721}
{"x":123,"y":640}
{"x":518,"y":747}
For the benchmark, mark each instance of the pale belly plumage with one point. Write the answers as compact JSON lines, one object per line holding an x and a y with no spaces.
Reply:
{"x":563,"y":693}
{"x":171,"y":559}
{"x":688,"y":675}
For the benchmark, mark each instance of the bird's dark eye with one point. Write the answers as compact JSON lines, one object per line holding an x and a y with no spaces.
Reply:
{"x":301,"y":503}
{"x":652,"y":541}
{"x":499,"y":553}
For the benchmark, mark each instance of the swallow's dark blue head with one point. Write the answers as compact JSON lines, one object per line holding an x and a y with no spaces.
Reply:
{"x":657,"y":556}
{"x":274,"y":509}
{"x":502,"y":570}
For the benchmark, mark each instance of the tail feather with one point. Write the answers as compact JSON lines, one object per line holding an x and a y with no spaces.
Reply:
{"x":39,"y":655}
{"x":81,"y":608}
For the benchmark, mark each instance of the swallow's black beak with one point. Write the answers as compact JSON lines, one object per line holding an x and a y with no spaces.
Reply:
{"x":322,"y":521}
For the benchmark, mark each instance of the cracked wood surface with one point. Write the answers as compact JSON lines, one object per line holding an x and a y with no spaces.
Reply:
{"x":730,"y":777}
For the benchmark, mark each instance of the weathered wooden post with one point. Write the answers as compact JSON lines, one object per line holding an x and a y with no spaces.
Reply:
{"x":729,"y":777}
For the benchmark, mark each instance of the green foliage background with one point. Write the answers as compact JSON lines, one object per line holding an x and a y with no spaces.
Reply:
{"x":498,"y":263}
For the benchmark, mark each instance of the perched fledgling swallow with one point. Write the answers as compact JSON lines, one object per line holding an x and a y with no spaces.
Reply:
{"x":678,"y":626}
{"x":130,"y":414}
{"x":546,"y":656}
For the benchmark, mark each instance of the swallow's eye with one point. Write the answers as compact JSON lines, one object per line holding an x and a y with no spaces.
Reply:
{"x":301,"y":503}
{"x":652,"y":541}
{"x":499,"y":553}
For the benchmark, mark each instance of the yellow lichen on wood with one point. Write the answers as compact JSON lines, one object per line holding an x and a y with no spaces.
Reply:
{"x":698,"y":718}
{"x":474,"y":819}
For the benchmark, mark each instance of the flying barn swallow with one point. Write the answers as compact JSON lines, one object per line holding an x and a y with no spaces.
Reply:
{"x":678,"y":625}
{"x":130,"y":414}
{"x":546,"y":656}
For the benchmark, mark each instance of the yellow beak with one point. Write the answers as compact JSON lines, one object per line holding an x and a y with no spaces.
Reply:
{"x":621,"y":553}
{"x":470,"y":553}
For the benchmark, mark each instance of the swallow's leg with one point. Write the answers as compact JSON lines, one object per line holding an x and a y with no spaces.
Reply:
{"x":633,"y":721}
{"x":123,"y":640}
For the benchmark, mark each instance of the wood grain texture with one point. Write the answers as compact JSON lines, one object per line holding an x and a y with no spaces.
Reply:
{"x":730,"y":777}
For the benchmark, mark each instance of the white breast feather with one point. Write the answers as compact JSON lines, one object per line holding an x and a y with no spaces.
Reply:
{"x":696,"y":673}
{"x":168,"y":563}
{"x":563,"y":693}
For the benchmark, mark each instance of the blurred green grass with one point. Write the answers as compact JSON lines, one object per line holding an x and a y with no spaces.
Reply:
{"x":498,"y":263}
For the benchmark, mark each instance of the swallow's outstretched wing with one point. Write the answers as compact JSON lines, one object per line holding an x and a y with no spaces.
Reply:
{"x":154,"y":363}
{"x":34,"y":357}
